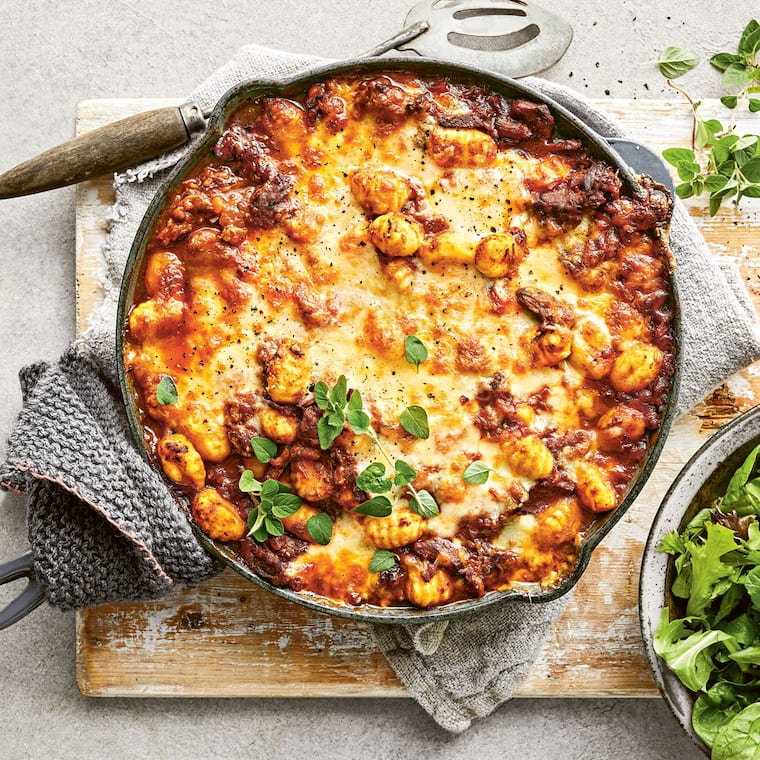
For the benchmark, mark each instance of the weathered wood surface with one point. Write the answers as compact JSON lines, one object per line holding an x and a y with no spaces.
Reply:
{"x":228,"y":638}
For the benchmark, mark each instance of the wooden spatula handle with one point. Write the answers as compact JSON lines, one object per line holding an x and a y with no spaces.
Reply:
{"x":110,"y":148}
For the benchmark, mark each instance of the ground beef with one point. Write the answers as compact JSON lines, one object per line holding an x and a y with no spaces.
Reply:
{"x":568,"y":198}
{"x":323,"y":103}
{"x":243,"y":145}
{"x":272,"y":201}
{"x":269,"y":559}
{"x":386,"y":101}
{"x":240,"y":419}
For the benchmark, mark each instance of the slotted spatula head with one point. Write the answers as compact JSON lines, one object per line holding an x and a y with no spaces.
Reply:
{"x":512,"y":37}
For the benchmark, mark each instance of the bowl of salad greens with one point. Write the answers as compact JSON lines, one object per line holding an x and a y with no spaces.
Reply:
{"x":699,"y":594}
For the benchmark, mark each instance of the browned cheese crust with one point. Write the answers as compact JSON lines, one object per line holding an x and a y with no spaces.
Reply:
{"x":323,"y":230}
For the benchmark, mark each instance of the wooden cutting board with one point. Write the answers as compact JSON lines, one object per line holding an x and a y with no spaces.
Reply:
{"x":227,"y":638}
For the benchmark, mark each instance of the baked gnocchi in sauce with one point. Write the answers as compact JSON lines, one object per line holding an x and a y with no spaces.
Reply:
{"x":322,"y":232}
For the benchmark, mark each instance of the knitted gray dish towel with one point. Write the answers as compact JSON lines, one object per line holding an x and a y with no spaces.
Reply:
{"x":103,"y":526}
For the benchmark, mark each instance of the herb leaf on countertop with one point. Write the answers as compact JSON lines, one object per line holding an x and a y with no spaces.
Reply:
{"x":721,"y":163}
{"x":675,"y":61}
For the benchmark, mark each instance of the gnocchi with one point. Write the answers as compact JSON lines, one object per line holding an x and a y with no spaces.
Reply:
{"x":461,"y":147}
{"x":288,"y":372}
{"x":594,"y":489}
{"x":529,"y":457}
{"x":395,"y":234}
{"x":217,"y":516}
{"x":499,"y":254}
{"x":448,"y":248}
{"x":379,"y":190}
{"x":400,"y":528}
{"x":181,"y":461}
{"x":636,"y":367}
{"x":425,"y":589}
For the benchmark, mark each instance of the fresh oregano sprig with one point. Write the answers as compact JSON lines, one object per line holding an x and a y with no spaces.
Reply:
{"x":720,"y":162}
{"x":336,"y":406}
{"x":741,"y":70}
{"x":276,"y":500}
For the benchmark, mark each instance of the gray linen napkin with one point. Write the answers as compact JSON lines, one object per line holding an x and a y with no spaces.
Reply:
{"x":103,"y":526}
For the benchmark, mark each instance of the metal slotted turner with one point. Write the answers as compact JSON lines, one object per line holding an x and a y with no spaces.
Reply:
{"x":511,"y":37}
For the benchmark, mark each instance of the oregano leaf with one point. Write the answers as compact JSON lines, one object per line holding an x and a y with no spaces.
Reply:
{"x":424,"y":504}
{"x":414,"y":420}
{"x":476,"y":473}
{"x":320,"y":528}
{"x":382,"y":560}
{"x":358,"y":421}
{"x":248,"y":483}
{"x":274,"y":526}
{"x":372,"y":478}
{"x":377,"y":506}
{"x":263,"y":449}
{"x":404,"y":473}
{"x":338,"y":394}
{"x":166,"y":393}
{"x":321,"y":395}
{"x":675,"y":156}
{"x":327,"y":432}
{"x":355,"y":401}
{"x":675,"y":61}
{"x":414,"y":351}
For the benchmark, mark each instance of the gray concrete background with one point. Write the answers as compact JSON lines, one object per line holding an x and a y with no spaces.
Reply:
{"x":54,"y":54}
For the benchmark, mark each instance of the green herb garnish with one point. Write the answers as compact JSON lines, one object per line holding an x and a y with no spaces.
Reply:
{"x":424,"y":504}
{"x":477,"y":473}
{"x":404,"y":473}
{"x":721,"y":163}
{"x":263,"y":449}
{"x":383,"y":560}
{"x":377,"y":506}
{"x":166,"y":393}
{"x":320,"y":528}
{"x":338,"y":408}
{"x":675,"y":61}
{"x":372,"y":478}
{"x":414,"y":420}
{"x":415,"y":352}
{"x":276,"y":500}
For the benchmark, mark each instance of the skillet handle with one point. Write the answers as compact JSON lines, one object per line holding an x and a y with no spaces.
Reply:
{"x":643,"y":160}
{"x":29,"y":599}
{"x":104,"y":150}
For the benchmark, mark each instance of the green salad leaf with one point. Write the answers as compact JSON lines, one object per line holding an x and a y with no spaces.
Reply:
{"x":734,"y":491}
{"x":714,"y":648}
{"x":707,"y":570}
{"x":739,"y":739}
{"x":686,"y":651}
{"x":714,"y":709}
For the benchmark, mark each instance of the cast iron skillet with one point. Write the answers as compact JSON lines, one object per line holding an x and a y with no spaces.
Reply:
{"x":569,"y":126}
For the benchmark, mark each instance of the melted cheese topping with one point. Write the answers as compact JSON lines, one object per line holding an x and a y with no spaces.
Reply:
{"x":244,"y":287}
